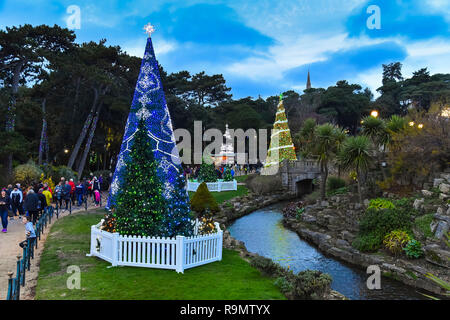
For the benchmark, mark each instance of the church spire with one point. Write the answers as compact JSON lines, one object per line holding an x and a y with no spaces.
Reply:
{"x":308,"y":82}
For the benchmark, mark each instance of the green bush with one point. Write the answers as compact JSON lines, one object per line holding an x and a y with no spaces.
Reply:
{"x":380,"y":203}
{"x":334,"y":183}
{"x":27,"y":173}
{"x":367,"y":243}
{"x":423,"y":224}
{"x":312,"y":284}
{"x":342,"y":190}
{"x":413,"y":249}
{"x":202,"y":201}
{"x":376,"y":223}
{"x":207,"y":173}
{"x":227,"y":175}
{"x":266,"y":266}
{"x":312,"y":197}
{"x":264,"y":184}
{"x":285,"y":286}
{"x":395,"y":241}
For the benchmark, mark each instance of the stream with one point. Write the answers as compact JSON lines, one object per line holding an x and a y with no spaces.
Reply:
{"x":263,"y":232}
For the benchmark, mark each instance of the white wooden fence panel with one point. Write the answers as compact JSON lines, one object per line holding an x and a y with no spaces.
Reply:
{"x":214,"y":186}
{"x":178,"y":253}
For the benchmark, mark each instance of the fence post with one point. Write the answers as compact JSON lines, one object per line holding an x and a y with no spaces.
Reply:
{"x":180,"y":254}
{"x":219,"y":243}
{"x":10,"y":286}
{"x":115,"y":248}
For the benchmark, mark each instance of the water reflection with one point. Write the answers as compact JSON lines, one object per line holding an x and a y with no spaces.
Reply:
{"x":263,"y":233}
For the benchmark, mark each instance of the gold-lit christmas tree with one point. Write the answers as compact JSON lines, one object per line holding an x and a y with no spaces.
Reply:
{"x":281,"y":145}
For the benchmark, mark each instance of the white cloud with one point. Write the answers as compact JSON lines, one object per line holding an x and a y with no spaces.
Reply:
{"x":137,"y":47}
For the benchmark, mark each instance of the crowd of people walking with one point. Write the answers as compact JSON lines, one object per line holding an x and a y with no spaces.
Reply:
{"x":32,"y":201}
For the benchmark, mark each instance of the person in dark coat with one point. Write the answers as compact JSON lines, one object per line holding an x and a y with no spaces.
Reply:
{"x":42,"y":201}
{"x":4,"y":206}
{"x":80,"y":192}
{"x":66,"y":194}
{"x":31,"y":205}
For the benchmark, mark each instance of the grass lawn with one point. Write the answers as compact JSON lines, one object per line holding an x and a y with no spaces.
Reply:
{"x":226,"y":195}
{"x":241,"y":178}
{"x":68,"y":243}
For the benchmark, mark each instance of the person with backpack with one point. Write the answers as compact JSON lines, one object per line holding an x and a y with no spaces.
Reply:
{"x":4,"y":206}
{"x":66,"y":194}
{"x":31,"y":205}
{"x":16,"y":197}
{"x":59,"y":194}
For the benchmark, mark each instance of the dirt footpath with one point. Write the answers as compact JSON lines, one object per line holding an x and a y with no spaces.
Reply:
{"x":9,"y":250}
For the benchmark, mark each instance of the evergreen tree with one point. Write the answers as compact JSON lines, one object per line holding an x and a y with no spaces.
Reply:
{"x":207,"y":172}
{"x":281,"y":145}
{"x":177,"y":221}
{"x":140,"y":206}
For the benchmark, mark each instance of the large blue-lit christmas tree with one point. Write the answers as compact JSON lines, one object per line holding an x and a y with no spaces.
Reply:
{"x":149,"y":106}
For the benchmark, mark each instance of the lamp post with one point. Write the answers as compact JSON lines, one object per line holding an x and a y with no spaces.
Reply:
{"x":374,"y":113}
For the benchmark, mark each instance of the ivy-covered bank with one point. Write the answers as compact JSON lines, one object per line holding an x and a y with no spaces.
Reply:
{"x":405,"y":237}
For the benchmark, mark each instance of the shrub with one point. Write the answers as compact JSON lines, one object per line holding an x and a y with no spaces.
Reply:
{"x":266,"y":266}
{"x":264,"y":184}
{"x":376,"y":223}
{"x":227,"y":174}
{"x":395,"y":241}
{"x":207,"y":172}
{"x":299,"y":213}
{"x":367,"y":243}
{"x":202,"y":202}
{"x":342,"y":190}
{"x":413,"y":249}
{"x":286,"y":287}
{"x":312,"y":197}
{"x":380,"y":203}
{"x":48,"y":181}
{"x":291,"y":210}
{"x":27,"y":173}
{"x":66,"y":172}
{"x":423,"y":224}
{"x":312,"y":284}
{"x":334,"y":183}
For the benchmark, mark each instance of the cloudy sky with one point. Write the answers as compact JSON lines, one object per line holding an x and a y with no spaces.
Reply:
{"x":263,"y":47}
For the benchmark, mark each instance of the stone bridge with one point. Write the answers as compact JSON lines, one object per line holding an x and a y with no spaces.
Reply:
{"x":298,"y":176}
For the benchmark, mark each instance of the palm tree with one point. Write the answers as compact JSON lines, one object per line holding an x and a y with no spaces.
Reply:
{"x":375,"y":130}
{"x":355,"y":154}
{"x":327,"y":139}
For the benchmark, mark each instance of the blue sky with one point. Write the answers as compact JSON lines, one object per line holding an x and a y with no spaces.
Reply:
{"x":263,"y":47}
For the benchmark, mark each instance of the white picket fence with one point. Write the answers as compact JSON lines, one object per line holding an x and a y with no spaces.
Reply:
{"x":214,"y":186}
{"x":178,"y":253}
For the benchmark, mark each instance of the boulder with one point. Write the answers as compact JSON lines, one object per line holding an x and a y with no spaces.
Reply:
{"x":418,"y":203}
{"x":444,"y":196}
{"x":437,"y":182}
{"x":441,"y":230}
{"x":427,"y":193}
{"x":444,"y":188}
{"x":446,"y":176}
{"x":436,"y":255}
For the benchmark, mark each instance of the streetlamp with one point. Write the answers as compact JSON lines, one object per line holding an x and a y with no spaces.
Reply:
{"x":374,"y":113}
{"x":66,"y":150}
{"x":411,"y":124}
{"x":420,"y":126}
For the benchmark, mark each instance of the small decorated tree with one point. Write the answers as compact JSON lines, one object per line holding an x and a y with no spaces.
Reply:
{"x":140,"y":206}
{"x":207,"y":172}
{"x":204,"y":204}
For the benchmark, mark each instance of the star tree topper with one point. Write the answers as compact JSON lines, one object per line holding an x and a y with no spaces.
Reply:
{"x":149,"y":29}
